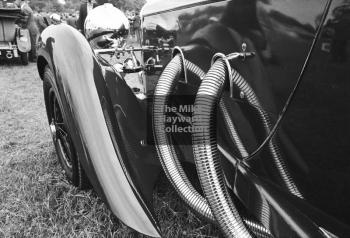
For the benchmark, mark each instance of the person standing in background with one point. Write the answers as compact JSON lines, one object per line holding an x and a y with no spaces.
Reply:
{"x":72,"y":21}
{"x":27,"y":21}
{"x":40,"y":22}
{"x":85,"y":8}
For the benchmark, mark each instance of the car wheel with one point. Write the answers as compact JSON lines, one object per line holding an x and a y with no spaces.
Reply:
{"x":66,"y":152}
{"x":24,"y":58}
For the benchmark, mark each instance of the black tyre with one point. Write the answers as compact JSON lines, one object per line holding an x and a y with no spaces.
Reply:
{"x":61,"y":135}
{"x":24,"y":58}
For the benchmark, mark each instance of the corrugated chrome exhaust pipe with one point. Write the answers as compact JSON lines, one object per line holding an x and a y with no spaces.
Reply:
{"x":228,"y":121}
{"x":167,"y":154}
{"x":166,"y":151}
{"x":205,"y":145}
{"x":238,"y":81}
{"x":207,"y":156}
{"x":257,"y":229}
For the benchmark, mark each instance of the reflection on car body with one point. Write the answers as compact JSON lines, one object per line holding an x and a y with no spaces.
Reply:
{"x":271,"y":78}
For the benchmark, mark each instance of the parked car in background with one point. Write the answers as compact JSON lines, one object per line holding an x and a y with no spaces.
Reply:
{"x":243,"y":104}
{"x":14,"y":41}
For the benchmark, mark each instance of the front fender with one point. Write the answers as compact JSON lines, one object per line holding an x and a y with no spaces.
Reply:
{"x":77,"y":72}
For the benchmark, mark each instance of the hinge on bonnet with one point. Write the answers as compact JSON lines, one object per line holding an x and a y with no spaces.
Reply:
{"x":243,"y":55}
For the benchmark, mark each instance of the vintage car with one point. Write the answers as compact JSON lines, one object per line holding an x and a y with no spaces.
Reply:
{"x":243,"y":104}
{"x":14,"y":40}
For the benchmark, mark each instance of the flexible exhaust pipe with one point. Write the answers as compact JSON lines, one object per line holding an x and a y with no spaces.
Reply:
{"x":258,"y":230}
{"x":233,"y":133}
{"x":238,"y":81}
{"x":207,"y":157}
{"x":205,"y":145}
{"x":166,"y":151}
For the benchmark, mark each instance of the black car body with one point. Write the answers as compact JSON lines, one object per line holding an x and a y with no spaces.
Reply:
{"x":286,"y":172}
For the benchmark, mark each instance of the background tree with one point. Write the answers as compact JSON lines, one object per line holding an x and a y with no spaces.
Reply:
{"x":57,"y":7}
{"x":73,"y":5}
{"x":129,"y":4}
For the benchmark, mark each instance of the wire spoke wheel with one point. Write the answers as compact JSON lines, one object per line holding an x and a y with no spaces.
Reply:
{"x":61,"y":126}
{"x":60,"y":134}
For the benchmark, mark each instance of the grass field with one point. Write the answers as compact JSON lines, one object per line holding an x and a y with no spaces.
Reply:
{"x":35,"y":198}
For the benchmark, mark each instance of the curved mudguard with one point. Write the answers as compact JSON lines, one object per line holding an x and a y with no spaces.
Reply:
{"x":81,"y":83}
{"x":23,"y":40}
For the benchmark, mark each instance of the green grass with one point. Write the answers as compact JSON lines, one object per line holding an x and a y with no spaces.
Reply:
{"x":35,"y":198}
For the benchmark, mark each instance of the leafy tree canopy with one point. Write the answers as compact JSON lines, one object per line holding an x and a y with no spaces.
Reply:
{"x":71,"y":5}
